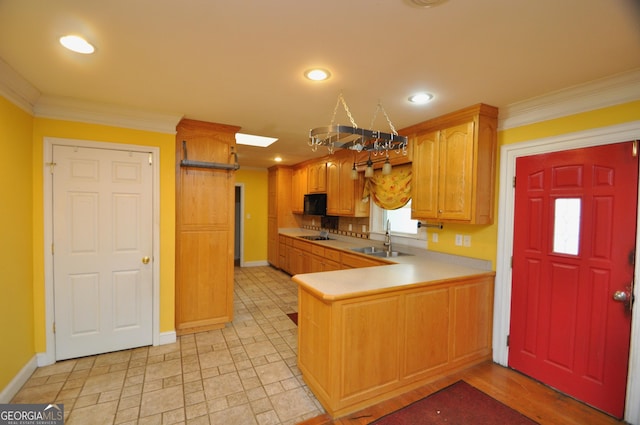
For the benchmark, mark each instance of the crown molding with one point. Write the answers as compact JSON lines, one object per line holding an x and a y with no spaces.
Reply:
{"x":98,"y":113}
{"x":23,"y":94}
{"x":609,"y":91}
{"x":16,"y":89}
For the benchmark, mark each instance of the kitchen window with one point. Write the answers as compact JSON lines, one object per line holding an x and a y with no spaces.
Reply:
{"x":400,"y":219}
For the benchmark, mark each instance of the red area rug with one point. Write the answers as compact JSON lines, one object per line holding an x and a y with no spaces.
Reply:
{"x":293,"y":317}
{"x":457,"y":404}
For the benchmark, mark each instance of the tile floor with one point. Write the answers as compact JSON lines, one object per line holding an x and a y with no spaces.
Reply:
{"x":243,"y":374}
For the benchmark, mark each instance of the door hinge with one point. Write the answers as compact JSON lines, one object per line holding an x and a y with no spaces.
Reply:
{"x":150,"y":158}
{"x":52,"y":249}
{"x":514,"y":181}
{"x":51,"y":166}
{"x":54,"y":327}
{"x":508,"y":339}
{"x":511,"y":262}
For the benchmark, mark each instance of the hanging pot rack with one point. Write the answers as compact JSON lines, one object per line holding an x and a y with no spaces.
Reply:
{"x":336,"y":136}
{"x":211,"y":165}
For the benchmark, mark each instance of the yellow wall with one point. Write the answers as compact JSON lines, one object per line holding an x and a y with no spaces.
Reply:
{"x":22,"y":309}
{"x":16,"y":264}
{"x":255,"y":213}
{"x":484,"y":238}
{"x":73,"y":130}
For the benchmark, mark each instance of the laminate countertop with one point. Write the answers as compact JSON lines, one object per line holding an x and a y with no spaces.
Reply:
{"x":421,"y":267}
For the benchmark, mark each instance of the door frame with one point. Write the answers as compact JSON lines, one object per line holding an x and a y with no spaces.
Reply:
{"x":239,"y":224}
{"x":506,"y":201}
{"x":49,"y":356}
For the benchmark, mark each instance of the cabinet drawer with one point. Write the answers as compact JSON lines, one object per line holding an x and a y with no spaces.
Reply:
{"x":355,"y":261}
{"x":332,"y":254}
{"x":317,"y":250}
{"x":301,"y":245}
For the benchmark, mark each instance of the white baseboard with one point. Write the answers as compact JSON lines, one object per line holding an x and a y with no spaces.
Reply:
{"x":45,"y":359}
{"x":167,"y":338}
{"x":18,"y":381}
{"x":255,"y":263}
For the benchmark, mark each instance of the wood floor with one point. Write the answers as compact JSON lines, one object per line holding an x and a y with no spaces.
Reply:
{"x":523,"y":394}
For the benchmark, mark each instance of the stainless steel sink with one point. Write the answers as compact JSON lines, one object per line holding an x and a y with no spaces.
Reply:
{"x":378,"y":252}
{"x":367,"y":250}
{"x":316,"y":238}
{"x":388,"y":254}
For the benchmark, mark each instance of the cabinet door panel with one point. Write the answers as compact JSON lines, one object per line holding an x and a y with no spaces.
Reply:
{"x":370,"y":343}
{"x":472,"y":318}
{"x":424,"y":188}
{"x":333,"y":188}
{"x":427,"y":339}
{"x":456,"y":172}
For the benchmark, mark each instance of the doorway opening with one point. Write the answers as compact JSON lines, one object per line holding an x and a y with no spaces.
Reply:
{"x":238,"y":250}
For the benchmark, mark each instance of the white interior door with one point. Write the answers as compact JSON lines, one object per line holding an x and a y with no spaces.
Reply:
{"x":102,"y":245}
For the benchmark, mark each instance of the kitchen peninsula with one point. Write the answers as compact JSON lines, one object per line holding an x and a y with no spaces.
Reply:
{"x":368,"y":334}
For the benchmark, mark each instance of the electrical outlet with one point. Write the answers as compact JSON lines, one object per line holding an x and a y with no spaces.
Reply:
{"x":458,"y":240}
{"x":466,"y":241}
{"x":434,"y":237}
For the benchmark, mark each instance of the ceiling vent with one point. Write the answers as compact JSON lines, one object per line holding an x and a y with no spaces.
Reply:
{"x":425,"y":3}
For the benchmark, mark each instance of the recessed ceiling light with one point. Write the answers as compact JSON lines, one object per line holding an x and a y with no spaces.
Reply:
{"x":317,"y":74}
{"x":421,"y":98}
{"x":77,"y":44}
{"x":253,"y":140}
{"x":277,"y":159}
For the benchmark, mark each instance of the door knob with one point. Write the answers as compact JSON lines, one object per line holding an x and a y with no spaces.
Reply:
{"x":145,"y":260}
{"x":621,"y":296}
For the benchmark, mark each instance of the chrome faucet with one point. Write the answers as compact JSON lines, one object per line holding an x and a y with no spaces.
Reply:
{"x":387,"y":237}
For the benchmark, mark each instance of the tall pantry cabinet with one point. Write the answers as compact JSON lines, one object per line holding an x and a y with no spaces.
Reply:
{"x":279,"y":214}
{"x":205,"y":203}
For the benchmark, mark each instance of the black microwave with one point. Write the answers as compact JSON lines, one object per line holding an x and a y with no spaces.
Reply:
{"x":315,"y":204}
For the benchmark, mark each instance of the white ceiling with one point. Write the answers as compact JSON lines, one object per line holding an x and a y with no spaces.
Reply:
{"x":241,"y":62}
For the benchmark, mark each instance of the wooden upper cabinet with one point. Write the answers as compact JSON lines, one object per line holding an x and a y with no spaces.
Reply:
{"x":454,"y":166}
{"x":344,"y":195}
{"x":317,"y":177}
{"x":298,"y":189}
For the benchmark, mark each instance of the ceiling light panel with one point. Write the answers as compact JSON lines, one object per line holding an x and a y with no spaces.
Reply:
{"x":253,"y":140}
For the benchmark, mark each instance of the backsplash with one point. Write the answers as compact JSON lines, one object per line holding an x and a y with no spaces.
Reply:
{"x":345,"y":226}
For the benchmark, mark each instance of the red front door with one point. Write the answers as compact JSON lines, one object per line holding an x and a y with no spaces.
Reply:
{"x":574,"y":242}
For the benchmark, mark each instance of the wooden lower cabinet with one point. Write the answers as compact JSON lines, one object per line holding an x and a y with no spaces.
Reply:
{"x":357,"y":352}
{"x":298,"y":256}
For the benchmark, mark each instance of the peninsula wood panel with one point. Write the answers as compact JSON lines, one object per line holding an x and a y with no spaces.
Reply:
{"x":356,"y":352}
{"x":204,"y":227}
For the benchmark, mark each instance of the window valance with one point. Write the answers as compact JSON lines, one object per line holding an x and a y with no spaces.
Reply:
{"x":392,"y":191}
